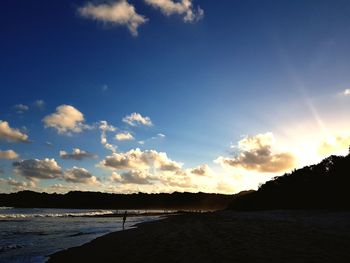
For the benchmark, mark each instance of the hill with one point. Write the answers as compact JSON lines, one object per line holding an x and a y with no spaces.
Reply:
{"x":321,"y":186}
{"x":78,"y":199}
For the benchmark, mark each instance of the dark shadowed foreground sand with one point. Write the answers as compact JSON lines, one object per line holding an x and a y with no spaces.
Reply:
{"x":276,"y":236}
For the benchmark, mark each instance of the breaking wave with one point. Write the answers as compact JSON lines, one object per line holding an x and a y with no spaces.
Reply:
{"x":59,"y":214}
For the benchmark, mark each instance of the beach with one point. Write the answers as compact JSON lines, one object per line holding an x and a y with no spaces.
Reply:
{"x":226,"y":236}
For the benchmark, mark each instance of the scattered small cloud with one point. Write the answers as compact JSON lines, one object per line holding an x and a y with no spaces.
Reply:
{"x":8,"y":155}
{"x":183,"y":7}
{"x":39,"y":104}
{"x":256,"y":154}
{"x":77,"y":154}
{"x":105,"y":127}
{"x":49,"y":144}
{"x":132,"y":177}
{"x":10,"y":134}
{"x":34,"y":169}
{"x":66,"y":120}
{"x":21,"y":108}
{"x":161,"y":135}
{"x":136,"y":119}
{"x":124,"y":136}
{"x":79,"y":175}
{"x":119,"y":13}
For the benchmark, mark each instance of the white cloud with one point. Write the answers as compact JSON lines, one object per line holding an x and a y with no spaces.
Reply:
{"x":104,"y":127}
{"x":124,"y":136}
{"x":346,"y":92}
{"x":132,"y":177}
{"x":256,"y":154}
{"x":119,"y":13}
{"x":161,"y":135}
{"x":183,"y":7}
{"x":136,"y":159}
{"x":10,"y":134}
{"x":21,"y":108}
{"x":77,"y":154}
{"x":65,"y":120}
{"x":34,"y":169}
{"x":8,"y":154}
{"x":152,"y":169}
{"x":79,"y":175}
{"x":135,"y":119}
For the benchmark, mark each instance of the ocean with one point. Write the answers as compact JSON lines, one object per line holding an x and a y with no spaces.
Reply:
{"x":31,"y":234}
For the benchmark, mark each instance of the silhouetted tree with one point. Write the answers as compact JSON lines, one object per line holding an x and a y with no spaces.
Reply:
{"x":324,"y":185}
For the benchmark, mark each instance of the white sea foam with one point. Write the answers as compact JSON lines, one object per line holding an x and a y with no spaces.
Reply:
{"x":67,"y":214}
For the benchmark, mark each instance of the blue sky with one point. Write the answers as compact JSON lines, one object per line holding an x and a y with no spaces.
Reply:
{"x":235,"y":86}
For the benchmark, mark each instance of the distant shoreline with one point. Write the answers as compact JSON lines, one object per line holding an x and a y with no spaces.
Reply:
{"x":226,"y":236}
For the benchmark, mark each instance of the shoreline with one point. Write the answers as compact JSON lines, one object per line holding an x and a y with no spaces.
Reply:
{"x":225,"y":236}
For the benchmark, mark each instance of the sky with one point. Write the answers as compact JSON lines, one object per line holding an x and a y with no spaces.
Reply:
{"x":163,"y":95}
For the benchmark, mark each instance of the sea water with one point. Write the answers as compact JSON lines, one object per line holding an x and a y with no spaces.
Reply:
{"x":31,"y":234}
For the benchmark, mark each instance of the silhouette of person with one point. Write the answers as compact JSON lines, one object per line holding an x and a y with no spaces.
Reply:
{"x":124,"y":218}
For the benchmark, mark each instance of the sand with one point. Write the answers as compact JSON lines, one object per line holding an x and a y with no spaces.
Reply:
{"x":227,"y":236}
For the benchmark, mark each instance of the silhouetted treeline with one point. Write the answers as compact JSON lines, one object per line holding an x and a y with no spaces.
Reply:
{"x":77,"y":199}
{"x":322,"y":186}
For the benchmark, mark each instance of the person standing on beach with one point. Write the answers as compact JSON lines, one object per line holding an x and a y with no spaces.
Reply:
{"x":124,"y":218}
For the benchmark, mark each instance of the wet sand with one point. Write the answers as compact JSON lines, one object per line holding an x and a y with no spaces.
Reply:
{"x":270,"y":236}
